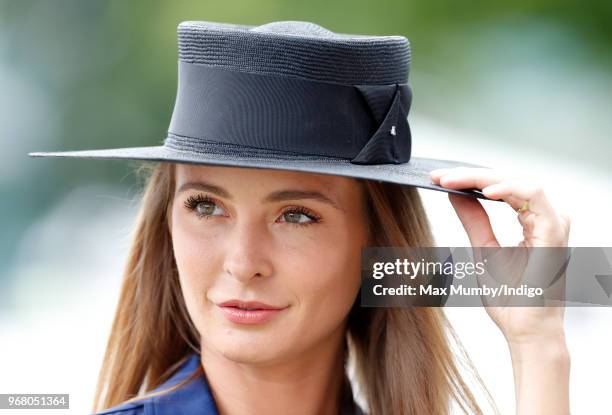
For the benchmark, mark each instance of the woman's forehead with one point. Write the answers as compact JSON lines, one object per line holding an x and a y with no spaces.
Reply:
{"x":191,"y":172}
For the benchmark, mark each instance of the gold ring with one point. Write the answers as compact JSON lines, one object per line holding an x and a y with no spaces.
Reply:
{"x":524,"y":207}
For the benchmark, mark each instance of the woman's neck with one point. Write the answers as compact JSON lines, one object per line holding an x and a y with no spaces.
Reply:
{"x":310,"y":383}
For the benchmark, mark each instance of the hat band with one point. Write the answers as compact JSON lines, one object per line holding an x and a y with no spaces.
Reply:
{"x":366,"y":124}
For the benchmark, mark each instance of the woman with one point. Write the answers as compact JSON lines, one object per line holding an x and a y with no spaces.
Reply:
{"x":240,"y":295}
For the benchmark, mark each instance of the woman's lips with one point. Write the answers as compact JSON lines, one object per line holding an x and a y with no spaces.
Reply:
{"x":241,"y":316}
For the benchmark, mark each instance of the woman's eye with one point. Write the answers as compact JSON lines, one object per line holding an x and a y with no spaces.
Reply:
{"x":295,"y":217}
{"x":205,"y":208}
{"x":202,"y":206}
{"x":299,"y":217}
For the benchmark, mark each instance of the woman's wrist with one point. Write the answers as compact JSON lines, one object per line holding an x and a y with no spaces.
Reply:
{"x":550,"y":349}
{"x":541,"y":369}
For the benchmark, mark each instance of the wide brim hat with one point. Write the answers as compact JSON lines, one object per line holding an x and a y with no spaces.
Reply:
{"x":290,"y":95}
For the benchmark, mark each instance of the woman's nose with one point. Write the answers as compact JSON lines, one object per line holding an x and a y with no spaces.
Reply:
{"x":247,"y":252}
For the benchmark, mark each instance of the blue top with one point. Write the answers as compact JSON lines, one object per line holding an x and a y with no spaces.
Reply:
{"x":192,"y":398}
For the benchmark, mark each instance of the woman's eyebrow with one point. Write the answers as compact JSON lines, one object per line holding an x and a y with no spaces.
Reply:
{"x":290,"y":194}
{"x":277,"y":196}
{"x":207,"y":187}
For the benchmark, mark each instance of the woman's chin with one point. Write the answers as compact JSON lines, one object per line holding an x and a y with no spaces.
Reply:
{"x":251,"y":353}
{"x":245,"y":345}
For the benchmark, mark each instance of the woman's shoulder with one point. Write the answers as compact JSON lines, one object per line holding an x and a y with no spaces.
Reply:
{"x":182,"y":393}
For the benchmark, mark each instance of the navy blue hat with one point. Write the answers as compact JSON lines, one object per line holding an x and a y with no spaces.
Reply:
{"x":290,"y":95}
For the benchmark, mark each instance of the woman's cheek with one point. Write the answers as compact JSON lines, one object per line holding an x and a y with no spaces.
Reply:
{"x":194,"y":252}
{"x":326,"y":276}
{"x":194,"y":239}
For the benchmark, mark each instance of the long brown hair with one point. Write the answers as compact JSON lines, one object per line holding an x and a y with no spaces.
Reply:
{"x":402,"y":357}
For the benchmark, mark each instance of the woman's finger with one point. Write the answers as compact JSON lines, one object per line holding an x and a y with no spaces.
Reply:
{"x":542,"y":225}
{"x":475,"y":221}
{"x":466,"y":177}
{"x":526,"y":219}
{"x":522,"y":191}
{"x":470,"y":178}
{"x":496,"y":184}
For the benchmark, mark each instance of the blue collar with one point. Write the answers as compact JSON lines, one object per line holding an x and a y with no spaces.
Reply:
{"x":194,"y":397}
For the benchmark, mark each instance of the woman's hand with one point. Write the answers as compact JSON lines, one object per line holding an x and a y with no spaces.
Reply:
{"x":535,"y":335}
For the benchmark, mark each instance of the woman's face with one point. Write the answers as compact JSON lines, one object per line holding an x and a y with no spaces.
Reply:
{"x":291,"y":240}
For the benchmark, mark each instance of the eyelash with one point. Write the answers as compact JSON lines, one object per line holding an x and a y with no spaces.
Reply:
{"x":192,"y":203}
